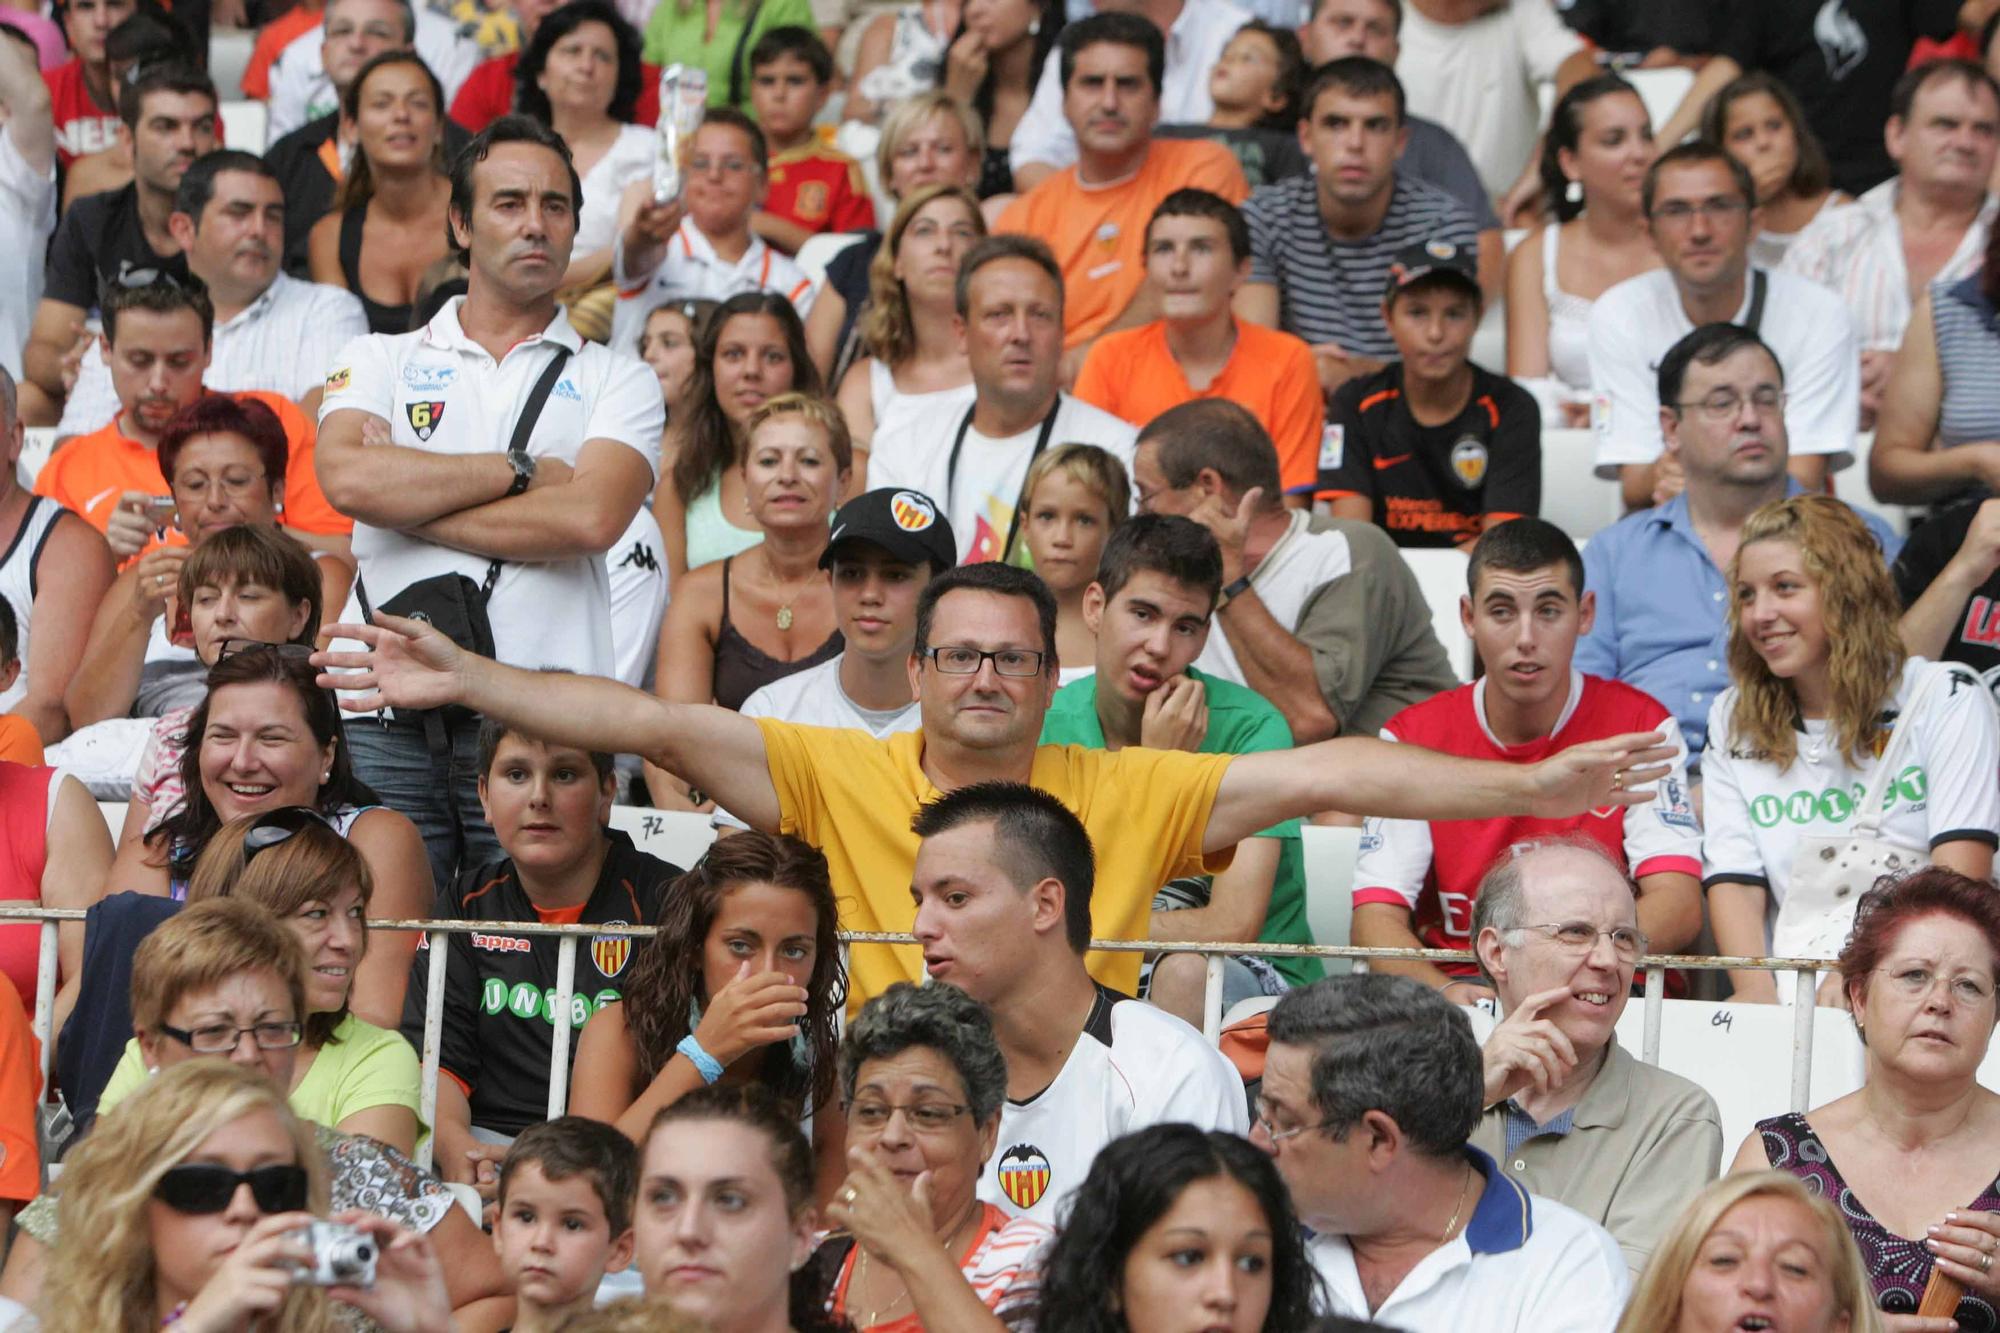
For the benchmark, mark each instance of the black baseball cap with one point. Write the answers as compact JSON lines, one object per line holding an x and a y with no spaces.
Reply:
{"x":1432,"y":259}
{"x":905,"y":523}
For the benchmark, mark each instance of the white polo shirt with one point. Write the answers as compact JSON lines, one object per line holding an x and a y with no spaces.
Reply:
{"x":1194,"y":48}
{"x":301,"y":92}
{"x":441,"y":392}
{"x":979,"y":494}
{"x":639,"y":590}
{"x":692,"y":271}
{"x":1805,"y":325}
{"x":27,"y":220}
{"x":1523,"y":1264}
{"x":284,"y":342}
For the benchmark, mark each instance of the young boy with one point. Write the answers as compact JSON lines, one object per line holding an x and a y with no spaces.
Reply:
{"x":19,"y":741}
{"x":813,"y":187}
{"x":1432,"y":448}
{"x":1255,"y":87}
{"x":566,"y":1193}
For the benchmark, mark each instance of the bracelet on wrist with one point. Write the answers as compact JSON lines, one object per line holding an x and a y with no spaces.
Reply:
{"x":704,"y":1064}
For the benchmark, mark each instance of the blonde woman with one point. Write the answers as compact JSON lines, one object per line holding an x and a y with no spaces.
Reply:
{"x":1077,"y":495}
{"x":189,"y":1196}
{"x":1821,"y":683}
{"x":1756,"y":1244}
{"x":915,"y":367}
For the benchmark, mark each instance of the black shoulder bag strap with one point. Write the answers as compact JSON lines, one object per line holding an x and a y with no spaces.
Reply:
{"x":951,"y":470}
{"x":1759,"y":287}
{"x":736,"y":56}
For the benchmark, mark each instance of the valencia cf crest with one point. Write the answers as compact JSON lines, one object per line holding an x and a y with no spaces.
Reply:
{"x":424,"y":417}
{"x":611,"y":952}
{"x":912,"y":512}
{"x":1024,"y":1174}
{"x":1468,"y":461}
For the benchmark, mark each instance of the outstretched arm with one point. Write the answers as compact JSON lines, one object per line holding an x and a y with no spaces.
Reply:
{"x":409,"y":665}
{"x":1363,"y":775}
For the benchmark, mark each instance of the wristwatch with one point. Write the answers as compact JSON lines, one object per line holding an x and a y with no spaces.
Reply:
{"x":1233,"y":591}
{"x":524,"y":471}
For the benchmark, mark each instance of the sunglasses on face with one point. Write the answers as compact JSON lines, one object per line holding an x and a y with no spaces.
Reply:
{"x":200,"y":1188}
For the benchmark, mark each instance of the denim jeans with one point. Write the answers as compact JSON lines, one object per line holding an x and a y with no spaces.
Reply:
{"x":395,"y":759}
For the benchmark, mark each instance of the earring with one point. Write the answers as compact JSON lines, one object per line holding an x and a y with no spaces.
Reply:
{"x":326,"y":777}
{"x":1573,"y":192}
{"x":1034,"y":27}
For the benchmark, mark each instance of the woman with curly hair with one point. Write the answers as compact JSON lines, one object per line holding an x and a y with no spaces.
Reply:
{"x":741,"y":985}
{"x":1822,"y":683}
{"x":1174,"y":1219}
{"x":915,"y":366}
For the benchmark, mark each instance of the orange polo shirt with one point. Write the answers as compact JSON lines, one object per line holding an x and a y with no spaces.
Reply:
{"x":89,"y":472}
{"x":1098,"y":232}
{"x":1132,"y":374}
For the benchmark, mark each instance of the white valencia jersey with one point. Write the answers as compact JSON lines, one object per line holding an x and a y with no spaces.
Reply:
{"x":1948,"y":788}
{"x":1134,"y":1066}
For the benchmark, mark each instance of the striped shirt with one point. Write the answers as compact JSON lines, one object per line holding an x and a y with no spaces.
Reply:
{"x":1330,"y":291}
{"x":1003,"y":1265}
{"x":1968,"y":345}
{"x":1857,"y":250}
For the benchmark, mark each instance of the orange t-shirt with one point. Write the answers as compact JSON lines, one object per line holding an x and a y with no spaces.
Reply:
{"x":1132,"y":374}
{"x":20,"y":743}
{"x":1098,"y":232}
{"x":89,"y":473}
{"x":271,"y":43}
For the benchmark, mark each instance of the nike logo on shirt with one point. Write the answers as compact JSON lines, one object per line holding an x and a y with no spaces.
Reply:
{"x":1384,"y":464}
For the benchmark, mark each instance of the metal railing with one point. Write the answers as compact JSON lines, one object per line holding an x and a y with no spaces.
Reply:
{"x":436,"y":933}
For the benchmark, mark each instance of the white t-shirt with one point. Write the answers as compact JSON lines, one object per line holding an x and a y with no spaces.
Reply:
{"x":1523,"y":1264}
{"x":1754,"y":815}
{"x":629,"y":158}
{"x":980,"y":499}
{"x":1806,"y":326}
{"x":27,"y":220}
{"x":1194,"y":48}
{"x":1298,"y":564}
{"x":814,"y":698}
{"x":1133,"y":1066}
{"x":1480,"y":80}
{"x":693,"y":271}
{"x":437,"y":381}
{"x":301,"y":92}
{"x":638,"y":574}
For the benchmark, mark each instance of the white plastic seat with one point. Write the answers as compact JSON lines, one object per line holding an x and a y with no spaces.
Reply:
{"x":1330,"y":854}
{"x":1851,"y":485}
{"x":1574,"y":497}
{"x":245,"y":125}
{"x":37,"y":445}
{"x":1661,"y":90}
{"x":818,"y":251}
{"x":679,"y":836}
{"x":1441,"y":574}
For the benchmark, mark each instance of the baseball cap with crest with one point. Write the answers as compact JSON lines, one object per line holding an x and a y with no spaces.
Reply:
{"x":1432,"y":259}
{"x":905,"y":523}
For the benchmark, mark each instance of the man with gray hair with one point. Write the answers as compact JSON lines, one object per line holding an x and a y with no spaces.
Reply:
{"x":1569,"y":1114}
{"x":313,"y":70}
{"x":1372,"y":1089}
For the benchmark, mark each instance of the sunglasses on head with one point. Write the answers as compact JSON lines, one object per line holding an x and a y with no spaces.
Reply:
{"x":132,"y":279}
{"x":206,"y":1187}
{"x":228,"y":648}
{"x":276,"y":826}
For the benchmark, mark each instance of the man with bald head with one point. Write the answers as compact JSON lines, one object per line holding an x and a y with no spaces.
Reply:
{"x":1569,"y":1114}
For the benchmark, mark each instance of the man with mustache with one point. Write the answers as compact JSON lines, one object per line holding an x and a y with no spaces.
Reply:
{"x":272,"y":332}
{"x":1094,"y":214}
{"x":493,"y":454}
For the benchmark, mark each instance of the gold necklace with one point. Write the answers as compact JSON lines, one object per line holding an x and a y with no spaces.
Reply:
{"x":874,"y":1316}
{"x":1459,"y":1207}
{"x":784,"y":616}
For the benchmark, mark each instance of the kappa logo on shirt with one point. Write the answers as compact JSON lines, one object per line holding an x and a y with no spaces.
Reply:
{"x":1024,"y":1174}
{"x":424,"y":417}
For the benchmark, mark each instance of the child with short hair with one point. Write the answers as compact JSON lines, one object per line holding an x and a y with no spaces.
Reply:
{"x":566,"y":1193}
{"x":1073,"y":497}
{"x":813,"y":187}
{"x":19,"y":741}
{"x":1256,"y":87}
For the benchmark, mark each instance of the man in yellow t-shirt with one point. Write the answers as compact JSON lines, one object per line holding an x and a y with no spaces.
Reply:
{"x":983,"y":672}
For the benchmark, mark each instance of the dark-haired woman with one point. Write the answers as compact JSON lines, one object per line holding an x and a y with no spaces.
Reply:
{"x":742,"y":985}
{"x":1910,"y":1158}
{"x":992,"y":67}
{"x":1171,"y":1221}
{"x":579,"y":75}
{"x":1594,"y":161}
{"x":388,"y":224}
{"x":923,"y":1080}
{"x":1761,"y":124}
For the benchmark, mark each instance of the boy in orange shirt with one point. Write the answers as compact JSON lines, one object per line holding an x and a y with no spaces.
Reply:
{"x":20,"y":743}
{"x":813,"y":188}
{"x":1094,"y":215}
{"x":1197,"y":249}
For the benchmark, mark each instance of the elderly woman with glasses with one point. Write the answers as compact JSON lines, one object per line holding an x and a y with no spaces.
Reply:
{"x":924,"y":1080}
{"x":1910,"y":1157}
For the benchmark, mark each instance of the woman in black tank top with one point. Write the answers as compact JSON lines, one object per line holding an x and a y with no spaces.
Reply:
{"x":393,"y":199}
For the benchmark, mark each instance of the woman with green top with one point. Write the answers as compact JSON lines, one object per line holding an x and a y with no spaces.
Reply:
{"x":716,"y":36}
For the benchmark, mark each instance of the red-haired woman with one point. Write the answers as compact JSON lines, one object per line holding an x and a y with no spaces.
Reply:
{"x":1910,"y":1159}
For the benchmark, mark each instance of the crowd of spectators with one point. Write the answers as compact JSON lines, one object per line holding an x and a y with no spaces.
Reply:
{"x":989,"y":468}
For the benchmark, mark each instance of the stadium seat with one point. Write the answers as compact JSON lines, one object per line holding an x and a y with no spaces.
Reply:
{"x":228,"y":56}
{"x":1851,"y":485}
{"x":679,"y":836}
{"x":1574,"y":497}
{"x":818,"y":251}
{"x":1441,"y":574}
{"x":1489,"y":340}
{"x":114,"y":815}
{"x":244,"y":125}
{"x":1661,"y":90}
{"x":39,"y":444}
{"x":1330,"y":854}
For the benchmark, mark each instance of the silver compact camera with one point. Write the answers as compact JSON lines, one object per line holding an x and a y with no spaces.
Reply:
{"x":343,"y":1256}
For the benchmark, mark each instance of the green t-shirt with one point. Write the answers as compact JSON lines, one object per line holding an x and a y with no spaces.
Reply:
{"x":1240,"y":721}
{"x":675,"y":36}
